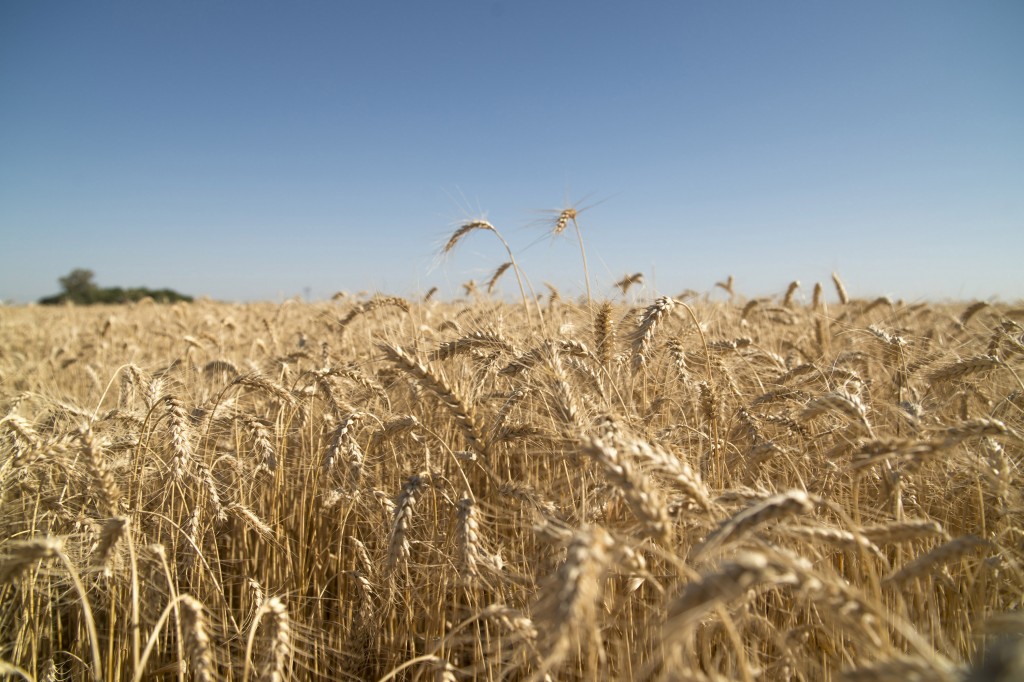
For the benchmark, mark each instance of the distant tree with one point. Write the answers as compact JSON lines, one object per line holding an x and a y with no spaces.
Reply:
{"x":78,"y":285}
{"x":80,"y":289}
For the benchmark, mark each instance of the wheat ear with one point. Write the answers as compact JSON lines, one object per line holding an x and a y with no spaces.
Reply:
{"x":772,"y":509}
{"x":464,"y":415}
{"x":108,"y":494}
{"x":279,"y":641}
{"x":113,"y":530}
{"x":181,"y":444}
{"x":840,"y":289}
{"x":629,"y":280}
{"x":964,"y":368}
{"x":398,"y":544}
{"x":468,"y":540}
{"x":570,"y":601}
{"x":903,"y":669}
{"x":488,"y":341}
{"x":971,"y":311}
{"x":643,"y":338}
{"x":197,"y":639}
{"x":24,"y":554}
{"x":943,"y":554}
{"x":374,"y":303}
{"x":902,"y":531}
{"x":561,"y":223}
{"x":729,"y":582}
{"x":787,"y":300}
{"x":643,"y":499}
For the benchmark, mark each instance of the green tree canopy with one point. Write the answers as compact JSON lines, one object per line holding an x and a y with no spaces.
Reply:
{"x":78,"y":284}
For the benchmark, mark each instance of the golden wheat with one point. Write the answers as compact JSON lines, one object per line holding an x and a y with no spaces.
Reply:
{"x":461,"y":490}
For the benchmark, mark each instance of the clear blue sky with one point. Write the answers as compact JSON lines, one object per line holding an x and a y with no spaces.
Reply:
{"x":249,"y":150}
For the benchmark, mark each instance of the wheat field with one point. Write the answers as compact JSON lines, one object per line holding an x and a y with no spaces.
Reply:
{"x":374,"y":488}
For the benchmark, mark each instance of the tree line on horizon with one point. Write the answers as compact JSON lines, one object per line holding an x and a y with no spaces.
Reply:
{"x":79,"y":288}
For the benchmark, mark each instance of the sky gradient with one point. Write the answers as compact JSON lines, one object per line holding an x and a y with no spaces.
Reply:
{"x":263,"y":150}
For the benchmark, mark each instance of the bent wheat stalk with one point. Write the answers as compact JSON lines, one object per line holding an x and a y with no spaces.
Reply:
{"x":483,"y":225}
{"x":464,"y":415}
